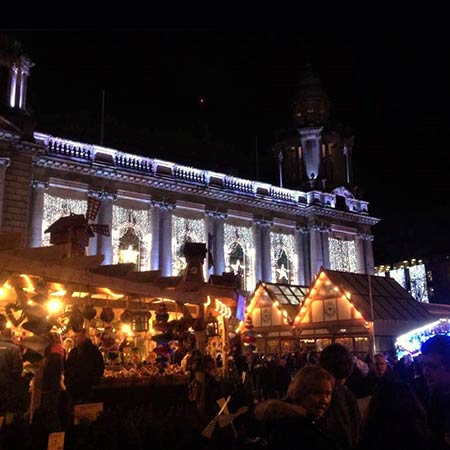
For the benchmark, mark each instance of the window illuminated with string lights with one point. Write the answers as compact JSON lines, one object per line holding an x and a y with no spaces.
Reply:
{"x":342,"y":255}
{"x":57,"y":207}
{"x":418,"y":282}
{"x":283,"y":258}
{"x":239,"y":250}
{"x":185,"y":230}
{"x":132,"y":236}
{"x":399,"y":276}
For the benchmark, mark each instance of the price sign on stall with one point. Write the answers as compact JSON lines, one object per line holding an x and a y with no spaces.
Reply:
{"x":56,"y":441}
{"x":87,"y":412}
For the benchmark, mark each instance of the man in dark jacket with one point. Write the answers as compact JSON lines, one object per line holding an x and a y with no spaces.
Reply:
{"x":436,"y":372}
{"x":343,"y":418}
{"x":51,"y":381}
{"x":84,"y":368}
{"x":11,"y":366}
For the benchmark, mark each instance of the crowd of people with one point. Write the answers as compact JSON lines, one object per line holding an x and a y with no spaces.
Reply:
{"x":337,"y":401}
{"x":59,"y":380}
{"x":317,"y":400}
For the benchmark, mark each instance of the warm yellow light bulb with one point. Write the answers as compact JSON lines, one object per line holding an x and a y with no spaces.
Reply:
{"x":54,"y":306}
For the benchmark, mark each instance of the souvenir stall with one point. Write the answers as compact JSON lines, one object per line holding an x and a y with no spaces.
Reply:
{"x":363,"y":312}
{"x":139,"y":320}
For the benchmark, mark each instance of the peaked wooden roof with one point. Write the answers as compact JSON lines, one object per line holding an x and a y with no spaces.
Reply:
{"x":288,"y":296}
{"x":390,"y":300}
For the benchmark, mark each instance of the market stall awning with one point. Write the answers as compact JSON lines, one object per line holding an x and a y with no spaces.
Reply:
{"x":85,"y":273}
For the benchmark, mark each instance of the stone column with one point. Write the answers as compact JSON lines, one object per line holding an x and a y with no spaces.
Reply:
{"x":370,"y":264}
{"x":37,"y":213}
{"x":4,"y":164}
{"x":324,"y":234}
{"x":303,"y":261}
{"x":365,"y":253}
{"x":315,"y":239}
{"x":165,"y":239}
{"x":262,"y":250}
{"x":154,"y":252}
{"x":257,"y":241}
{"x":105,"y":217}
{"x":215,"y":226}
{"x":23,"y":73}
{"x":12,"y":87}
{"x":360,"y":253}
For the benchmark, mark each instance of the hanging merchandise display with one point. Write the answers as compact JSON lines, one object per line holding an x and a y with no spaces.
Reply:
{"x":76,"y":319}
{"x":89,"y":312}
{"x":249,"y":337}
{"x":162,"y":339}
{"x":126,"y":316}
{"x":212,"y":326}
{"x":107,"y":314}
{"x":140,"y":321}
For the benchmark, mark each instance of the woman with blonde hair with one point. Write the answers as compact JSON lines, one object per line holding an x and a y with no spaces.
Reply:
{"x":292,"y":422}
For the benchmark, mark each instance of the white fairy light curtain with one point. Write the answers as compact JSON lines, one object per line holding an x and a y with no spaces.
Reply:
{"x":399,"y":276}
{"x":185,"y":230}
{"x":57,"y":207}
{"x":283,"y":258}
{"x":418,"y":282}
{"x":342,"y":255}
{"x":239,"y":250}
{"x":132,"y":236}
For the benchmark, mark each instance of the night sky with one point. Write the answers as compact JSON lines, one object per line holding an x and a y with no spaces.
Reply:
{"x":389,"y":88}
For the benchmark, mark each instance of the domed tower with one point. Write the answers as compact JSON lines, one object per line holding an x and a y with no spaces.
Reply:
{"x":15,"y":68}
{"x":337,"y":146}
{"x":311,"y":109}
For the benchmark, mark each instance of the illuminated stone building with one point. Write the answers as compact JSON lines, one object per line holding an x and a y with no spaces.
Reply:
{"x":427,"y":280}
{"x":261,"y":231}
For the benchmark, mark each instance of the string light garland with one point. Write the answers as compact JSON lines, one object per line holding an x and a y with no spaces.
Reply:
{"x":411,"y":342}
{"x":322,"y":281}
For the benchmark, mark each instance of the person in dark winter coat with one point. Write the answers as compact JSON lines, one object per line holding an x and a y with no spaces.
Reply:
{"x":343,"y":418}
{"x":396,"y":419}
{"x":291,"y":424}
{"x":84,"y":368}
{"x":435,"y":361}
{"x":51,"y":381}
{"x":11,"y":366}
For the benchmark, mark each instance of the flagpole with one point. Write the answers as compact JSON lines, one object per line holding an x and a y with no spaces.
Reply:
{"x":371,"y":315}
{"x":103,"y":117}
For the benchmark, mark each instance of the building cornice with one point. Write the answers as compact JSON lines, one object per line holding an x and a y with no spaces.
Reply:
{"x":90,"y":160}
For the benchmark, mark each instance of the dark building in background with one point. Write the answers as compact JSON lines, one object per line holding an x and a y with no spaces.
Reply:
{"x":427,"y":280}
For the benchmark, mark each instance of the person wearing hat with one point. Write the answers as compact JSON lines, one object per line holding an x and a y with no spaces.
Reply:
{"x":84,"y":368}
{"x":11,"y":366}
